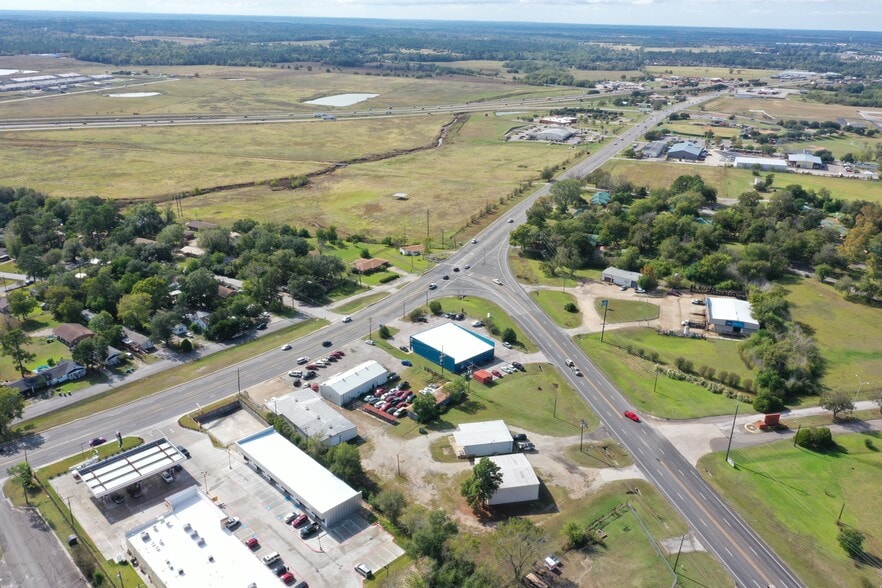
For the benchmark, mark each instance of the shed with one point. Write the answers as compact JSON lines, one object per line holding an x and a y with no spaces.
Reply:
{"x":805,"y":161}
{"x":349,"y":385}
{"x":326,"y":498}
{"x":483,"y":438}
{"x":483,"y":377}
{"x":519,"y":481}
{"x":763,"y":163}
{"x":620,"y":277}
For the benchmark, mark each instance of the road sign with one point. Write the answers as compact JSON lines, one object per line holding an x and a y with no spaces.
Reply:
{"x":604,"y":303}
{"x":730,"y":461}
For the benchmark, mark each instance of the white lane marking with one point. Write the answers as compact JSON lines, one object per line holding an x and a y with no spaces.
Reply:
{"x":754,"y":551}
{"x":681,"y":496}
{"x":702,"y":522}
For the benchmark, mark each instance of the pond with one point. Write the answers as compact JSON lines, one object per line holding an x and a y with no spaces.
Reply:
{"x":341,"y":99}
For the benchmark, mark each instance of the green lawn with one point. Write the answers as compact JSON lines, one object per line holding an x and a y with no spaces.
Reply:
{"x":553,"y":302}
{"x":847,"y":334}
{"x":359,"y":303}
{"x":626,"y":311}
{"x":529,"y":271}
{"x":598,"y":454}
{"x":479,"y":308}
{"x":43,"y":350}
{"x":792,"y":498}
{"x":525,"y":400}
{"x":636,"y":379}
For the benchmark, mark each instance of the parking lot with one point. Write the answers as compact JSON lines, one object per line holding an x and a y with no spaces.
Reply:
{"x":327,"y":558}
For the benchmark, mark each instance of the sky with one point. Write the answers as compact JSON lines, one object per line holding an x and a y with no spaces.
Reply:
{"x":788,"y":14}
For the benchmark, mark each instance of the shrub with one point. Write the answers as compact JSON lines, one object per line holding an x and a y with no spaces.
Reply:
{"x":435,"y":307}
{"x":384,"y":332}
{"x":389,"y":278}
{"x":570,"y":307}
{"x":816,"y":439}
{"x":186,"y":346}
{"x":766,"y":403}
{"x":851,"y":540}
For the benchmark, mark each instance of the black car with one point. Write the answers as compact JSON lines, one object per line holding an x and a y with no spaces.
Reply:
{"x":326,"y":343}
{"x":309,"y":530}
{"x":404,"y":348}
{"x":281,"y":570}
{"x":297,"y":383}
{"x":517,"y":365}
{"x":519,"y":436}
{"x":393,"y":377}
{"x":404,"y":385}
{"x":184,"y":450}
{"x":445,"y":277}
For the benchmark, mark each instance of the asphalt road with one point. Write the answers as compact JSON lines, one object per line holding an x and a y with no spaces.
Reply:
{"x":750,"y":561}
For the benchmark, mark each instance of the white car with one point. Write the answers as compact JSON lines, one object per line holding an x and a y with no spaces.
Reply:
{"x":296,"y":373}
{"x":347,"y":319}
{"x":286,"y":347}
{"x":497,"y":281}
{"x":432,"y":286}
{"x":474,"y":241}
{"x":511,"y":220}
{"x":167,"y":477}
{"x":369,"y":341}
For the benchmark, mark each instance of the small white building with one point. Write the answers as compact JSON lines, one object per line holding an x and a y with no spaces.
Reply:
{"x":519,"y":481}
{"x":349,"y":385}
{"x":327,"y":499}
{"x":483,"y":438}
{"x":311,"y":417}
{"x":730,"y":316}
{"x":620,"y":277}
{"x":763,"y":163}
{"x":189,"y":547}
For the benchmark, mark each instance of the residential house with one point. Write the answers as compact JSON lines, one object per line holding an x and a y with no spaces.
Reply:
{"x":225,"y":292}
{"x":71,"y":334}
{"x":197,"y":225}
{"x":367,"y":266}
{"x":411,"y":250}
{"x":113,"y":357}
{"x":200,"y":318}
{"x":64,"y":371}
{"x":137,"y":342}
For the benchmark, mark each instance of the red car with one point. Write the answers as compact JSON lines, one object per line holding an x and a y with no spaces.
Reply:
{"x":496,"y":373}
{"x":288,"y":578}
{"x":314,"y":386}
{"x":252,"y":543}
{"x":631,"y":415}
{"x":312,"y":366}
{"x":338,"y":353}
{"x":299,"y":520}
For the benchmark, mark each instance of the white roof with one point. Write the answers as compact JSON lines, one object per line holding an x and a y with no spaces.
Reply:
{"x":483,"y":432}
{"x":614,"y":271}
{"x":761,"y":161}
{"x":730,"y":309}
{"x":355,"y":377}
{"x":190,"y":538}
{"x":454,"y":341}
{"x":805,"y":157}
{"x":516,"y":470}
{"x":558,"y":132}
{"x":296,"y":470}
{"x":310,"y":414}
{"x":117,"y":472}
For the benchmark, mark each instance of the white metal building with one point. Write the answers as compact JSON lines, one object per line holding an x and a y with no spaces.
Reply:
{"x":483,"y":438}
{"x":764,"y":163}
{"x":729,"y":315}
{"x":519,"y":481}
{"x":189,"y":547}
{"x":620,"y":277}
{"x":453,"y":347}
{"x":349,"y":385}
{"x":554,"y":134}
{"x":311,"y":417}
{"x":323,"y":496}
{"x":805,"y":161}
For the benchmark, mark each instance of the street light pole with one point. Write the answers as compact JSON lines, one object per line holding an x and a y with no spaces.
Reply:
{"x":370,"y":327}
{"x":605,"y":305}
{"x":238,"y":381}
{"x":582,"y":425}
{"x":732,"y":432}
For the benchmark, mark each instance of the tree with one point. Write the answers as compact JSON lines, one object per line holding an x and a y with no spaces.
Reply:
{"x":162,"y":325}
{"x":134,"y":310}
{"x":851,"y":540}
{"x":837,"y":402}
{"x":391,"y":503}
{"x":509,"y":336}
{"x":517,"y":542}
{"x":575,"y":534}
{"x":415,"y":315}
{"x":345,"y":463}
{"x":21,"y":304}
{"x":384,"y":333}
{"x":13,"y":345}
{"x":566,"y":193}
{"x":430,"y":533}
{"x":12,"y":405}
{"x":200,"y":288}
{"x":424,"y":407}
{"x":22,"y":475}
{"x":156,"y":288}
{"x":482,"y":485}
{"x":90,"y":352}
{"x":435,"y":307}
{"x":458,"y":389}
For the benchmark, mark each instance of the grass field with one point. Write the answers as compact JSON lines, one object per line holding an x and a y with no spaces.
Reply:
{"x":359,"y":303}
{"x":479,"y":308}
{"x":598,"y":454}
{"x":697,"y":129}
{"x":473,"y":168}
{"x":636,"y":379}
{"x":791,"y":107}
{"x":529,"y":271}
{"x":626,"y":311}
{"x":731,"y":182}
{"x":525,"y":400}
{"x":553,"y":302}
{"x":792,"y":498}
{"x":169,"y":378}
{"x":712,"y":72}
{"x":847,"y":334}
{"x":838,"y":146}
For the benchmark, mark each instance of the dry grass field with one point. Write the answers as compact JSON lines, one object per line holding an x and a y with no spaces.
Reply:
{"x":712,"y":72}
{"x":789,"y":108}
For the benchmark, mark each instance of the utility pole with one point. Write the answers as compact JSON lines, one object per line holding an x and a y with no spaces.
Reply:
{"x":655,"y":384}
{"x":731,"y":434}
{"x":605,"y":305}
{"x":582,"y":425}
{"x":795,"y":437}
{"x":427,"y":223}
{"x":370,"y":327}
{"x":677,"y":560}
{"x":238,"y":381}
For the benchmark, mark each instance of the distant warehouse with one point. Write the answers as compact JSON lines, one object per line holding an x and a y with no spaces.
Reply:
{"x":553,"y":134}
{"x":763,"y":163}
{"x":312,"y":417}
{"x":620,"y":277}
{"x":349,"y":385}
{"x":730,"y":316}
{"x":687,"y":151}
{"x":453,"y":347}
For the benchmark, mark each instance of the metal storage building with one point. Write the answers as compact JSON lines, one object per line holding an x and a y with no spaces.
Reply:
{"x":483,"y":438}
{"x":554,"y":134}
{"x":453,"y":347}
{"x":323,"y":496}
{"x":688,"y":150}
{"x":620,"y":277}
{"x":311,"y":417}
{"x":349,"y":385}
{"x":764,"y":163}
{"x":731,"y":316}
{"x":519,"y":481}
{"x":805,"y":161}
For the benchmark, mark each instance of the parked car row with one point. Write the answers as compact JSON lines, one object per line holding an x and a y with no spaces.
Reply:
{"x":394,"y":402}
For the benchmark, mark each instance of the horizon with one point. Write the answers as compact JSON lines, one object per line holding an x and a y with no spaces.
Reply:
{"x":412,"y":11}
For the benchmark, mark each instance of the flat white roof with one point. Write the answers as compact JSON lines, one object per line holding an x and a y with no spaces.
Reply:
{"x":730,"y":309}
{"x":769,"y":161}
{"x":188,"y":546}
{"x":310,"y":413}
{"x":614,"y":271}
{"x":296,"y":470}
{"x":516,"y":470}
{"x":355,"y":377}
{"x":483,"y":432}
{"x":118,"y":471}
{"x":454,"y":341}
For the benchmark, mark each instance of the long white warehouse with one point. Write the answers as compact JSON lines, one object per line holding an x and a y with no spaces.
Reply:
{"x":349,"y":385}
{"x":326,"y":498}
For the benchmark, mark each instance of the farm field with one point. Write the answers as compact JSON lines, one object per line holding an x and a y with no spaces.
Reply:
{"x":731,"y":182}
{"x":455,"y":182}
{"x":710,"y":72}
{"x":793,"y":496}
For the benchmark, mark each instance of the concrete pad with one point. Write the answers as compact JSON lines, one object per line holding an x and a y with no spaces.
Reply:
{"x":690,"y":544}
{"x":234,"y":426}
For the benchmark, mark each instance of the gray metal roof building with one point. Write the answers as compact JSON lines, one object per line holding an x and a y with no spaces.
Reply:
{"x":655,"y":149}
{"x":483,"y":438}
{"x":346,"y":386}
{"x":620,"y":277}
{"x":686,"y":150}
{"x":312,"y":418}
{"x":555,"y":134}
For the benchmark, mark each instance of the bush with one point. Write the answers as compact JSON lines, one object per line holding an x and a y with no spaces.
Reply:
{"x":389,"y":278}
{"x":570,"y":307}
{"x":435,"y":307}
{"x":766,"y":403}
{"x":384,"y":332}
{"x":509,"y":336}
{"x":576,"y":536}
{"x":851,"y":540}
{"x":816,"y":439}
